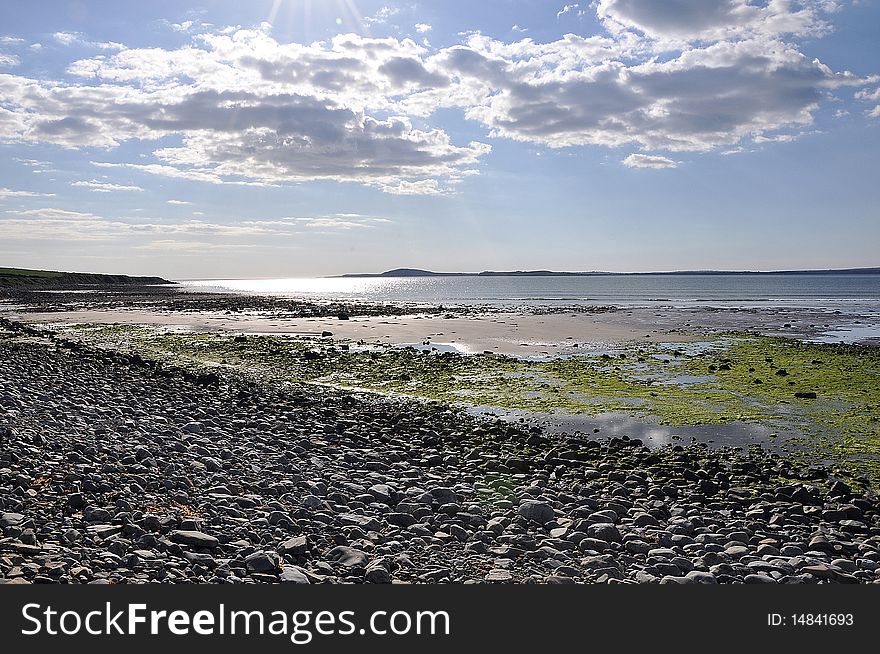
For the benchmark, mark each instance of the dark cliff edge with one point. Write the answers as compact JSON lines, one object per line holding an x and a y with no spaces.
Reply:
{"x":18,"y":277}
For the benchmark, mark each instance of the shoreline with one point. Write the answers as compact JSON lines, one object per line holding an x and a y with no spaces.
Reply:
{"x":161,"y":438}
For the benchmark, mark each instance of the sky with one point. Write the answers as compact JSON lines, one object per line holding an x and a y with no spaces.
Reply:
{"x":284,"y":138}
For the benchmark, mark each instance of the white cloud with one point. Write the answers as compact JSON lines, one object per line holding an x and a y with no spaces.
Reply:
{"x":715,"y":20}
{"x":6,"y":193}
{"x":66,"y":38}
{"x":105,"y":187}
{"x":570,"y":9}
{"x":11,"y":40}
{"x":240,"y":107}
{"x":872,"y":95}
{"x":8,"y":60}
{"x":76,"y":38}
{"x":423,"y":28}
{"x":178,"y":202}
{"x":52,"y":213}
{"x":381,"y":16}
{"x":649,"y":161}
{"x":192,"y":246}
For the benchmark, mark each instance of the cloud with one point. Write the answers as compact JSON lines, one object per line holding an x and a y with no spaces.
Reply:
{"x":715,"y":20}
{"x":105,"y":187}
{"x":8,"y":60}
{"x":57,"y":224}
{"x":6,"y":193}
{"x":423,"y":28}
{"x":381,"y":16}
{"x":75,"y":38}
{"x":178,"y":202}
{"x":575,"y":92}
{"x":53,"y":213}
{"x":192,"y":246}
{"x":236,"y":106}
{"x":872,"y":95}
{"x":247,"y":109}
{"x":649,"y":161}
{"x":570,"y":9}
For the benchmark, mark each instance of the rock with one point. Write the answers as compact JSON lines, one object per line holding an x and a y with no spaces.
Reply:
{"x":262,"y":562}
{"x":645,"y":520}
{"x":193,"y":427}
{"x":806,"y":395}
{"x":296,"y":546}
{"x":76,"y":501}
{"x":194,"y":539}
{"x":11,"y":519}
{"x":377,"y":574}
{"x":364,"y":522}
{"x":604,"y":531}
{"x":347,"y":556}
{"x":498,"y":575}
{"x":96,"y":514}
{"x":701,"y":577}
{"x":291,"y":574}
{"x":402,"y":520}
{"x":383,"y":493}
{"x":539,"y":512}
{"x":637,"y":547}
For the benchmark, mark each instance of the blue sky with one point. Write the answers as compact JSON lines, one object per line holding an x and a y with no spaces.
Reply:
{"x":298,"y":137}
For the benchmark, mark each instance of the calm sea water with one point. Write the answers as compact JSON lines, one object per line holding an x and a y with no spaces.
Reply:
{"x":840,"y":292}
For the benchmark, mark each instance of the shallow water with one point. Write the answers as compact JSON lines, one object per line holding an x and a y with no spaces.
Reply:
{"x":649,"y":431}
{"x":843,"y":292}
{"x":853,"y":334}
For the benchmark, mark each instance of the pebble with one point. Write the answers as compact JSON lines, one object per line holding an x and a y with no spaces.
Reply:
{"x":152,"y":474}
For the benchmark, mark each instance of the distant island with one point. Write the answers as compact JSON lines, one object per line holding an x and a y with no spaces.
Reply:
{"x":25,"y":277}
{"x":416,"y":272}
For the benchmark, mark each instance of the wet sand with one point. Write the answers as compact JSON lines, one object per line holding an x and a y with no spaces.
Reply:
{"x":503,"y":333}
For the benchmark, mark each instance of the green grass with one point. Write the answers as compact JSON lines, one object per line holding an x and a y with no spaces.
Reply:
{"x":24,"y":272}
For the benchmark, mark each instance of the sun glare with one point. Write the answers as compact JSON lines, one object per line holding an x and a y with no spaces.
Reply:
{"x":314,"y":14}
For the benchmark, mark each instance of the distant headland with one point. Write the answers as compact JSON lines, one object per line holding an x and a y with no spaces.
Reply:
{"x":416,"y":272}
{"x":26,"y":277}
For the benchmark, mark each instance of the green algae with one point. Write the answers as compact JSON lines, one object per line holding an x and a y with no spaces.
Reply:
{"x":839,"y":425}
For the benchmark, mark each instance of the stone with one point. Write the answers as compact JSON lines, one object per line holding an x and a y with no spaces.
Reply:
{"x":377,"y":574}
{"x":296,"y":546}
{"x":604,"y":531}
{"x":363,"y":522}
{"x":11,"y":519}
{"x":539,"y":512}
{"x":498,"y":575}
{"x":701,"y":577}
{"x":194,"y":539}
{"x":291,"y":574}
{"x":347,"y":556}
{"x":383,"y":493}
{"x":759,"y":579}
{"x":645,"y":520}
{"x":262,"y":562}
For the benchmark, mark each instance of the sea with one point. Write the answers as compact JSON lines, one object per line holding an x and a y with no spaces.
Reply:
{"x":857,"y":293}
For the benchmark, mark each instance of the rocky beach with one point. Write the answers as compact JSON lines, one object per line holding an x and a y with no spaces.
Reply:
{"x":120,"y":463}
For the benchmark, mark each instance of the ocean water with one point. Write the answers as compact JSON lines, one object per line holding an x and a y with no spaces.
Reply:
{"x":849,"y":293}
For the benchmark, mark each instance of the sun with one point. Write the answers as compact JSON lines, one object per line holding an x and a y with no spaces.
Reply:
{"x":344,"y":13}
